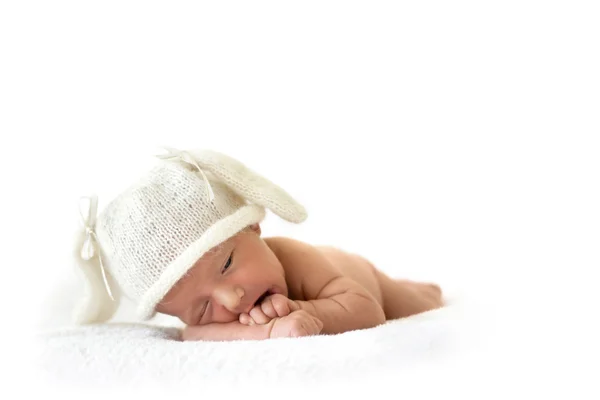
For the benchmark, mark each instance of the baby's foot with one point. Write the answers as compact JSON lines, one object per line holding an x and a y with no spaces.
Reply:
{"x":431,"y":293}
{"x":419,"y":297}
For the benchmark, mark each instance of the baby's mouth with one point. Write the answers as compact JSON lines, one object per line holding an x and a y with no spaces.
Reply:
{"x":262,"y":297}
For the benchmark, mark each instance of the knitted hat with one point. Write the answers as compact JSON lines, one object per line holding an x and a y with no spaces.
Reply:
{"x":147,"y":238}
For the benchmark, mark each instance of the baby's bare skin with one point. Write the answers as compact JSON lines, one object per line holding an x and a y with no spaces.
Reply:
{"x":255,"y":288}
{"x":403,"y":297}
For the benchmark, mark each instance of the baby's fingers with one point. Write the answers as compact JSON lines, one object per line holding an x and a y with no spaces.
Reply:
{"x":268,"y":308}
{"x":313,"y":326}
{"x":245,"y":319}
{"x":282,"y":305}
{"x":319,"y":324}
{"x":259,"y":316}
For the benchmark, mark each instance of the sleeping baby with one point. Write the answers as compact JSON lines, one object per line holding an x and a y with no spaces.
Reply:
{"x":185,"y":240}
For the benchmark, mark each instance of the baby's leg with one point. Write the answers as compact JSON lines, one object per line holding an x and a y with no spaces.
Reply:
{"x":403,"y":298}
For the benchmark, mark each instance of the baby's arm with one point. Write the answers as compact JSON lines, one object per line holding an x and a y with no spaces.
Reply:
{"x":338,"y":301}
{"x":295,"y":324}
{"x":227,"y":331}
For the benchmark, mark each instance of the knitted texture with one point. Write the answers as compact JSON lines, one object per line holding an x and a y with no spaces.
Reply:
{"x":156,"y":230}
{"x":250,"y":185}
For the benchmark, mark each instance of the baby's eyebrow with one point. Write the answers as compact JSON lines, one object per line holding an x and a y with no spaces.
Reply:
{"x":223,"y":254}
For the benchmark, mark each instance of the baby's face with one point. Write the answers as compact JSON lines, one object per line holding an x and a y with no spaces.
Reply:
{"x":226,"y":281}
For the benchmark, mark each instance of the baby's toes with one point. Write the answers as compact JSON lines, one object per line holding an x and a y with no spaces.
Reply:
{"x":433,"y":288}
{"x":434,"y":293}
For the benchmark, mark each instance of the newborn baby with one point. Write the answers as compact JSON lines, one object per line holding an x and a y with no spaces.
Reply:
{"x":254,"y":288}
{"x":185,"y":240}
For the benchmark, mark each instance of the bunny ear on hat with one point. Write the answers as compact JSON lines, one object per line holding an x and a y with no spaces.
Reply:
{"x":243,"y":181}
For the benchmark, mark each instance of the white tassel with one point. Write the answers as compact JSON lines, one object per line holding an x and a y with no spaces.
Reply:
{"x":98,"y":303}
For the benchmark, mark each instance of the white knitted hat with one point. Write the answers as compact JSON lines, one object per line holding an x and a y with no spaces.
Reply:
{"x":147,"y":238}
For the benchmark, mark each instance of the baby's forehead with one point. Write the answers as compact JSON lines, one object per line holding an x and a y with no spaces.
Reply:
{"x":202,"y":265}
{"x":216,"y":252}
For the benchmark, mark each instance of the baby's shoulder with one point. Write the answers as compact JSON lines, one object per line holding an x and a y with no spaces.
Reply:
{"x":307,"y":269}
{"x":286,"y":246}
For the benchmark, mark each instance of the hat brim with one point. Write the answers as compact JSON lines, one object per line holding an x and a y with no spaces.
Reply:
{"x":212,"y":237}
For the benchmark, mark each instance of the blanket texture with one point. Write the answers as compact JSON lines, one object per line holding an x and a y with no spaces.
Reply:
{"x":135,"y":354}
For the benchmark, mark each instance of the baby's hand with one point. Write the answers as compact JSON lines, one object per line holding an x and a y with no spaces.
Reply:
{"x":298,"y":323}
{"x":273,"y":306}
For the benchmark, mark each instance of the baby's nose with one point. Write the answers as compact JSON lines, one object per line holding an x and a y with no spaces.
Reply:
{"x":230,"y":297}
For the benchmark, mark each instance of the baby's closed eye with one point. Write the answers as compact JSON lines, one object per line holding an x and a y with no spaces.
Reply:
{"x":203,"y":309}
{"x":227,"y":264}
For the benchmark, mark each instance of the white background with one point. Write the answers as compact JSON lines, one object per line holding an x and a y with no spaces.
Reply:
{"x":455,"y":142}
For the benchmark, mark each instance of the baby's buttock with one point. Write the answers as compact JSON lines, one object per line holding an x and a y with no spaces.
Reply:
{"x":354,"y":267}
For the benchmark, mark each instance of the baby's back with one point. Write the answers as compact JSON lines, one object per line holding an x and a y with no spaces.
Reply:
{"x":354,"y":267}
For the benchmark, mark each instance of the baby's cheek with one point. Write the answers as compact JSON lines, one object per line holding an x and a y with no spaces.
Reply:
{"x":220,"y":315}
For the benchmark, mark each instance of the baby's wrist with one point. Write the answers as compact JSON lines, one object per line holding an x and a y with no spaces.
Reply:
{"x":307,"y":306}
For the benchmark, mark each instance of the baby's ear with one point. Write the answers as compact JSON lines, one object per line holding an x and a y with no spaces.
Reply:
{"x":256,"y":228}
{"x":250,"y":185}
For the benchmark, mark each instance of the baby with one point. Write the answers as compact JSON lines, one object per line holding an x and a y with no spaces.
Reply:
{"x":186,"y":241}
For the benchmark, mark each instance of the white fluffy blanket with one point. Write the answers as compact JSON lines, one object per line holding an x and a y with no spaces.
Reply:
{"x":134,"y":354}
